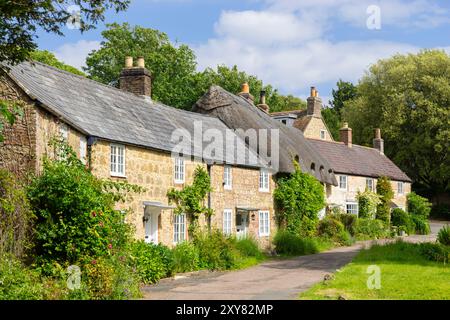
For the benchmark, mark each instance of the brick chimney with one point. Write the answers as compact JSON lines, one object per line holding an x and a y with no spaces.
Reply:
{"x":378,"y":143}
{"x":137,"y":79}
{"x":314,"y":103}
{"x":245,"y":92}
{"x":346,"y":135}
{"x":262,"y":102}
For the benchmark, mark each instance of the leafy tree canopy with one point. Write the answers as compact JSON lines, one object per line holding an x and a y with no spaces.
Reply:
{"x":345,"y":91}
{"x":49,"y":58}
{"x":19,"y":20}
{"x":408,"y":97}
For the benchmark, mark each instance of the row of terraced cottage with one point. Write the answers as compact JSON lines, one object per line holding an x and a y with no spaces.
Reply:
{"x":121,"y":134}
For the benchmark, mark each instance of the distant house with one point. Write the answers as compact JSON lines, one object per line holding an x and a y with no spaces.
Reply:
{"x":356,"y":167}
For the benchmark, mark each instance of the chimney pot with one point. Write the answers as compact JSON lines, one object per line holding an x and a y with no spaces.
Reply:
{"x":245,"y":88}
{"x":378,"y":142}
{"x":314,"y":104}
{"x":245,"y":93}
{"x":128,"y":62}
{"x":346,"y":135}
{"x":262,"y":97}
{"x":140,"y":62}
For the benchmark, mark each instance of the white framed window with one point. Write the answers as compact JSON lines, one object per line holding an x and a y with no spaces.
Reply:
{"x":400,"y":188}
{"x":227,"y":177}
{"x":322,"y":134}
{"x":179,"y":228}
{"x":264,"y":223}
{"x":263,"y":180}
{"x":369,"y":184}
{"x":83,"y":150}
{"x":64,"y":131}
{"x":117,"y":160}
{"x":179,"y":170}
{"x":227,"y":213}
{"x":352,"y":208}
{"x":343,"y":182}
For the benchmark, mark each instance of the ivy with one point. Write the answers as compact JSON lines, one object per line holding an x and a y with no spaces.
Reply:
{"x":299,"y":198}
{"x":367,"y":203}
{"x":190,"y":200}
{"x":384,"y":190}
{"x":9,"y":112}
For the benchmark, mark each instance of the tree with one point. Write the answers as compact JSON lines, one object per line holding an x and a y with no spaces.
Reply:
{"x":49,"y":58}
{"x":384,"y":190}
{"x":407,"y":96}
{"x":345,"y":91}
{"x":174,"y":80}
{"x":20,"y":19}
{"x":299,"y":197}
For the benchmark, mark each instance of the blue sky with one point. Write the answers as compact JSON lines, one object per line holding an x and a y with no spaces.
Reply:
{"x":291,"y":44}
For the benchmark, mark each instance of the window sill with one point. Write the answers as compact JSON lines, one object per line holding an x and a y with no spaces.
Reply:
{"x":116,"y":175}
{"x":178,"y":182}
{"x":227,"y":188}
{"x":264,"y":235}
{"x":264,"y":190}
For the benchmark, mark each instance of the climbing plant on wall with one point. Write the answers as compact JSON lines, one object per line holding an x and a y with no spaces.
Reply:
{"x":191,"y":199}
{"x":384,"y":190}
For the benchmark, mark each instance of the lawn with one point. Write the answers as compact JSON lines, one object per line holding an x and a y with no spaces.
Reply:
{"x":405,"y":275}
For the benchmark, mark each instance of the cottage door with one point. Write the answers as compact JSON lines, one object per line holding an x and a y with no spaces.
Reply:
{"x":151,"y":227}
{"x":241,"y":224}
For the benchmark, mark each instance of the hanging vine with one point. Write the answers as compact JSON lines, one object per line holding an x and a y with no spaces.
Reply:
{"x":191,"y":199}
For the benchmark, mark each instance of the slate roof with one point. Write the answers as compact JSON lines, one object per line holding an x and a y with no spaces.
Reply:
{"x":358,"y":160}
{"x":108,"y":113}
{"x":238,"y":113}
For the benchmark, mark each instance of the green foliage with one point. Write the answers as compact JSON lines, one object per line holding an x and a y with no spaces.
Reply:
{"x":152,"y":262}
{"x":347,"y":219}
{"x":290,"y":244}
{"x":333,"y":229}
{"x":49,"y":58}
{"x":345,"y":91}
{"x":435,"y":252}
{"x":299,"y":198}
{"x":384,"y":190}
{"x":421,"y":225}
{"x":21,"y":20}
{"x":443,"y":236}
{"x":9,"y":112}
{"x":75,"y":211}
{"x":18,"y":282}
{"x":366,"y":229}
{"x":418,"y":206}
{"x":248,"y":247}
{"x":16,"y":218}
{"x":407,"y":97}
{"x":190,"y":200}
{"x":332,"y":120}
{"x":402,"y":220}
{"x":185,"y":257}
{"x":368,"y":202}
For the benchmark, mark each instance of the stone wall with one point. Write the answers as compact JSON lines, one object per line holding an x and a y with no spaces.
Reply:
{"x":244,"y":193}
{"x":17,"y":151}
{"x":338,"y":196}
{"x":313,"y":128}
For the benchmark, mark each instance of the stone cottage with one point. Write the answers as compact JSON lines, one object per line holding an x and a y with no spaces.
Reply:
{"x":122,"y":135}
{"x":356,"y":167}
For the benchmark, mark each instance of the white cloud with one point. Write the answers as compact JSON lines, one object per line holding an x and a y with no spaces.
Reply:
{"x":289,"y":50}
{"x":75,"y":54}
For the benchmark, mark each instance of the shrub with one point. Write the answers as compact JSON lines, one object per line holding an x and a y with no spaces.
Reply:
{"x":75,"y":212}
{"x":289,"y":244}
{"x":418,"y":206}
{"x":367,"y":204}
{"x":370,"y":229}
{"x":299,"y":198}
{"x":384,"y":190}
{"x":348,"y":220}
{"x":185,"y":257}
{"x":152,"y":262}
{"x":248,"y":247}
{"x":402,"y":220}
{"x":435,"y":252}
{"x":444,"y":235}
{"x":216,"y":251}
{"x":18,"y":282}
{"x":330,"y":227}
{"x":15,"y":216}
{"x":421,"y":225}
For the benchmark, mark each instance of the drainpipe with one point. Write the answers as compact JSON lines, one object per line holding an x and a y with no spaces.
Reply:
{"x":90,"y":142}
{"x":208,"y":167}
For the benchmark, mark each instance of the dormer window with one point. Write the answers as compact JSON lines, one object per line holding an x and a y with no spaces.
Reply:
{"x":323,"y":134}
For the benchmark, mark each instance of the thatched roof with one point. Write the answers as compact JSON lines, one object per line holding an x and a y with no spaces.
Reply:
{"x":239,"y":113}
